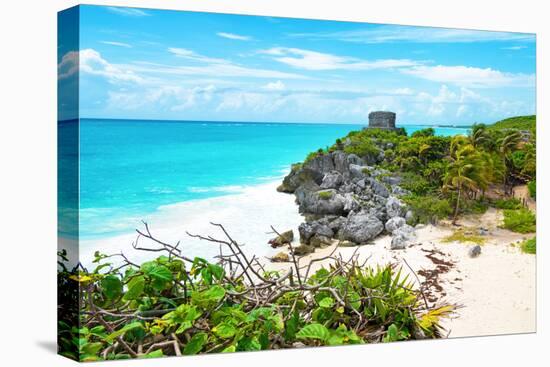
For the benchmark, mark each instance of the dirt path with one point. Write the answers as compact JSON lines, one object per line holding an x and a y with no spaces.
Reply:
{"x":522,"y":193}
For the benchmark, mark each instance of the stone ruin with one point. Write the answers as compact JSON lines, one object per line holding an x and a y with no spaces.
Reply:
{"x":382,"y":120}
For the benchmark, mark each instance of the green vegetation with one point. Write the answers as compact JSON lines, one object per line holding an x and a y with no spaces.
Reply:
{"x":511,"y":203}
{"x":529,"y":246}
{"x":442,"y":172}
{"x":428,"y":209}
{"x":174,"y":305}
{"x":465,"y":235}
{"x":532,"y":187}
{"x":520,"y":220}
{"x":518,"y":123}
{"x":325,"y":195}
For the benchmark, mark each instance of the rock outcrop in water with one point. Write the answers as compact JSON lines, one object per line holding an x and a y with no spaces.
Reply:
{"x":344,"y":198}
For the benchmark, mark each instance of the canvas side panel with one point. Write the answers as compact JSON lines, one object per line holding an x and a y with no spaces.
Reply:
{"x":67,"y":178}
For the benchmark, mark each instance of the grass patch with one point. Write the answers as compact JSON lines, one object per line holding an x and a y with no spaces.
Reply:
{"x":465,"y":235}
{"x":520,"y":220}
{"x":529,"y":246}
{"x":325,"y":195}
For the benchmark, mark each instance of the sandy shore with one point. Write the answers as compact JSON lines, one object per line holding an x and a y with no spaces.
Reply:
{"x":496,"y":290}
{"x":246,"y":215}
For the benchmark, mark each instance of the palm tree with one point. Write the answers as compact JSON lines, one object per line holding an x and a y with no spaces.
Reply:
{"x":479,"y":135}
{"x":507,"y":145}
{"x":466,"y":171}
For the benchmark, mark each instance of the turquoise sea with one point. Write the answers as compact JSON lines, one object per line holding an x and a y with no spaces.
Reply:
{"x":129,"y":168}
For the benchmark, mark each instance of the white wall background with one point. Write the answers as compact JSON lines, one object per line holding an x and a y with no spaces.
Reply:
{"x":28,"y":179}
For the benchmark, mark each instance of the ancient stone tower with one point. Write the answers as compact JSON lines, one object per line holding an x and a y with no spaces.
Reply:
{"x":382,"y":120}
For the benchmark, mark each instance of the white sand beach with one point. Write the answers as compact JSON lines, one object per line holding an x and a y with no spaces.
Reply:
{"x":496,"y":291}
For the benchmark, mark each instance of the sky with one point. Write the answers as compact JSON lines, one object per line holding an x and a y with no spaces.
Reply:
{"x":159,"y":64}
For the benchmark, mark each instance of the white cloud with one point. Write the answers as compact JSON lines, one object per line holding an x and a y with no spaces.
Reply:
{"x":130,"y":12}
{"x":191,"y":55}
{"x":278,"y":86}
{"x":68,"y":65}
{"x":91,"y":62}
{"x":471,"y":76}
{"x":208,"y":66}
{"x":312,"y":60}
{"x":392,"y":33}
{"x":114,"y":43}
{"x":233,"y":36}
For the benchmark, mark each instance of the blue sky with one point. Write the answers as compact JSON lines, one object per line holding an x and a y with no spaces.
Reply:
{"x":158,"y":64}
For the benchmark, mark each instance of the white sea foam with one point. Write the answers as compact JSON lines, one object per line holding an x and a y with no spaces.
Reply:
{"x":228,"y":189}
{"x":247,"y":215}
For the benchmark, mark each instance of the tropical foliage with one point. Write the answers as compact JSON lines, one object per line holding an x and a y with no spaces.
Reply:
{"x":442,"y":172}
{"x":529,"y":246}
{"x":174,"y":305}
{"x":520,"y":220}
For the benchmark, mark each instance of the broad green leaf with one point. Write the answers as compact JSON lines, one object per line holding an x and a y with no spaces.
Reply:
{"x":196,"y":344}
{"x":123,"y":330}
{"x":91,"y":348}
{"x":210,"y":297}
{"x":249,"y":344}
{"x":216,"y":270}
{"x":160,"y":272}
{"x":326,"y":302}
{"x":229,"y":349}
{"x":224,"y":330}
{"x":154,"y":354}
{"x":184,"y":326}
{"x":112,"y":286}
{"x":135,"y":288}
{"x":259,"y":313}
{"x":313,"y":331}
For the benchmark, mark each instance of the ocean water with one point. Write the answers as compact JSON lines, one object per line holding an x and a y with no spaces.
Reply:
{"x":130,"y":170}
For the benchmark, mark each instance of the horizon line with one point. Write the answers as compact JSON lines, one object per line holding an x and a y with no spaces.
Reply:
{"x":265,"y":122}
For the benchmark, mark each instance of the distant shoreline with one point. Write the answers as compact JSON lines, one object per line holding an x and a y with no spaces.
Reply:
{"x":365,"y":123}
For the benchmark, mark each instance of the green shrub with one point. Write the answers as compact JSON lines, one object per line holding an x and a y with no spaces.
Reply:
{"x":423,"y":132}
{"x":362,"y":148}
{"x":520,"y":220}
{"x":428,"y":209}
{"x":529,"y":246}
{"x":532,"y":187}
{"x":175,"y":305}
{"x":512,"y":203}
{"x":475,"y":207}
{"x":415,"y":183}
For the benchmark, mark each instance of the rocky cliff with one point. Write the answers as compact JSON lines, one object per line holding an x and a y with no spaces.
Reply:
{"x":344,"y":198}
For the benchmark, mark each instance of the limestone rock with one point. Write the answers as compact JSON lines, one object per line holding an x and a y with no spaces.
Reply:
{"x":361,"y":228}
{"x":395,"y":223}
{"x":402,"y":237}
{"x":281,"y":257}
{"x":308,"y":230}
{"x":332,"y":180}
{"x":283,"y":239}
{"x":474,"y":251}
{"x":395,"y":207}
{"x":303,"y":249}
{"x":320,"y":241}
